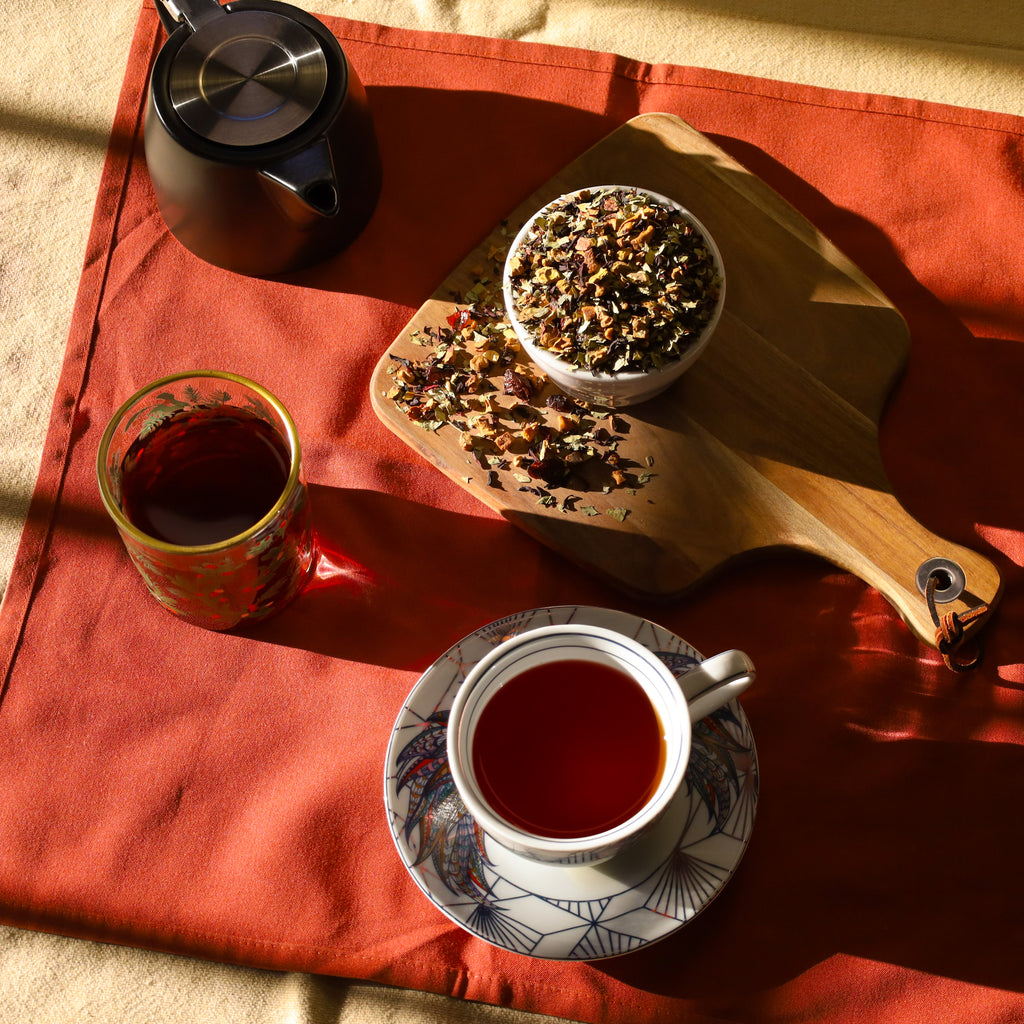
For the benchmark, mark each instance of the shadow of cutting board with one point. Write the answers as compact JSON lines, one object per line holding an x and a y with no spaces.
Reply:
{"x":770,"y":440}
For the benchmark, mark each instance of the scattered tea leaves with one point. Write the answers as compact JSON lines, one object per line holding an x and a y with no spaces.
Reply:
{"x":475,"y":379}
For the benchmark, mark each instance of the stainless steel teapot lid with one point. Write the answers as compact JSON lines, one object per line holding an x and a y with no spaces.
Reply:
{"x":246,"y":77}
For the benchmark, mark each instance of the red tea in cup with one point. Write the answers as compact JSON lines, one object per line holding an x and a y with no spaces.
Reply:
{"x":568,"y":748}
{"x":201,"y":473}
{"x":568,"y":743}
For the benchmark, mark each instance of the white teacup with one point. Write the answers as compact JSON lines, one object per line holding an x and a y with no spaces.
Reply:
{"x":568,"y":742}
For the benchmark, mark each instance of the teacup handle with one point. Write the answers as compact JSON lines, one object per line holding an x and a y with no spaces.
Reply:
{"x":716,"y":681}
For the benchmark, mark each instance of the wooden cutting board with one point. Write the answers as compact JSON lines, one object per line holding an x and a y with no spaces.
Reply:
{"x":770,"y":440}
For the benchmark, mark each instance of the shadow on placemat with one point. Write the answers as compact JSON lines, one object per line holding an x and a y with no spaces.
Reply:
{"x":885,"y":868}
{"x":429,"y":228}
{"x":387,"y":559}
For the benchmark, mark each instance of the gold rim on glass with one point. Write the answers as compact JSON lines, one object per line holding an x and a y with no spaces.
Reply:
{"x":127,"y":526}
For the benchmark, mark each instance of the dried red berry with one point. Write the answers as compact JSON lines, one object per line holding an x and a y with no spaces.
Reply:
{"x":516,"y":384}
{"x":563,"y":404}
{"x":550,"y":470}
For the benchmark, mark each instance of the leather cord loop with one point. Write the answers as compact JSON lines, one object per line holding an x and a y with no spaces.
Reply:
{"x":951,"y":629}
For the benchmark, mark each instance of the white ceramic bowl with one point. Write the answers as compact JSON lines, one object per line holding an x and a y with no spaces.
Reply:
{"x":625,"y":387}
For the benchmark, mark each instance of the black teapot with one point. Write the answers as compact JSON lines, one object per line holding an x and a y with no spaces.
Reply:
{"x":259,"y":138}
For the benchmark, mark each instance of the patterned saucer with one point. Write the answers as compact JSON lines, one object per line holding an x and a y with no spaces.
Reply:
{"x":580,"y":912}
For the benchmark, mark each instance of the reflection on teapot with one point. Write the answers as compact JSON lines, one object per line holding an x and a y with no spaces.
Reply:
{"x":259,"y":139}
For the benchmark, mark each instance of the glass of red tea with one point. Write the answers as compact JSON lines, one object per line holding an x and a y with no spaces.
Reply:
{"x":202,"y":474}
{"x":568,"y":743}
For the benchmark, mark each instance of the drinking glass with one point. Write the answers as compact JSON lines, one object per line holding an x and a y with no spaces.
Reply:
{"x":201,"y":472}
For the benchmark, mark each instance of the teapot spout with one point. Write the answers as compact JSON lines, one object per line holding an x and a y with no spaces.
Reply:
{"x":309,"y":177}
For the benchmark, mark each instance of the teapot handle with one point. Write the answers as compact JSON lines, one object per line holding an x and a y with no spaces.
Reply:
{"x":191,"y":12}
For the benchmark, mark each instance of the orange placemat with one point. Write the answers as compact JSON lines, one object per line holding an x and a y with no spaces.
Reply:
{"x":220,"y":796}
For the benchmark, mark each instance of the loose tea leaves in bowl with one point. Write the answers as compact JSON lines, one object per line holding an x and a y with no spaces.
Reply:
{"x":615,"y":279}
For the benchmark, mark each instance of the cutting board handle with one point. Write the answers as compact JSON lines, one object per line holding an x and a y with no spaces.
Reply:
{"x":874,"y":537}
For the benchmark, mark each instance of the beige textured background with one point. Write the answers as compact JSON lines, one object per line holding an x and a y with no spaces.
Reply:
{"x":59,"y":82}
